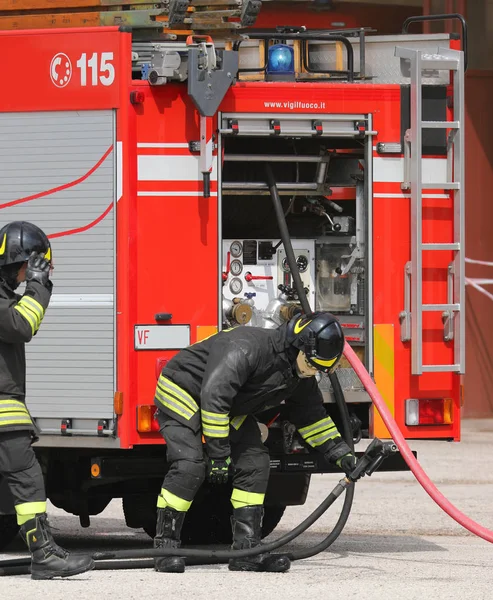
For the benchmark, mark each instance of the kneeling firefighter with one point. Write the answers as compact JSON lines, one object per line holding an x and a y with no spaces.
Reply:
{"x":214,"y":388}
{"x":25,"y":256}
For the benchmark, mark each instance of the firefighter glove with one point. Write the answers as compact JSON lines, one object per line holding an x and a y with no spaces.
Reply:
{"x":340,"y":454}
{"x":218,"y":470}
{"x":347,"y":463}
{"x":38,"y":269}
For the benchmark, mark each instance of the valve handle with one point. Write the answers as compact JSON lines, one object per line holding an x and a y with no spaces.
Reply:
{"x":249,"y":277}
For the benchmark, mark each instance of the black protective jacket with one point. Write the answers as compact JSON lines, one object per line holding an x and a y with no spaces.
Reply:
{"x":20,"y":318}
{"x":238,"y":372}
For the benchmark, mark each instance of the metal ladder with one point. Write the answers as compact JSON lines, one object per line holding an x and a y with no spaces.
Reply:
{"x":453,"y":310}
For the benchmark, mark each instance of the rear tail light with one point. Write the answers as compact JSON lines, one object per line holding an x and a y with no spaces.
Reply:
{"x":426,"y":411}
{"x":145,"y":418}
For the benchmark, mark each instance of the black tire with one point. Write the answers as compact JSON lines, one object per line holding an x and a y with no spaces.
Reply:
{"x":208,"y":520}
{"x":8,"y":530}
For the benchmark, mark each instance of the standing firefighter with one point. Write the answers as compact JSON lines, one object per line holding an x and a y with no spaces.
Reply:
{"x":213,"y":388}
{"x":25,"y":255}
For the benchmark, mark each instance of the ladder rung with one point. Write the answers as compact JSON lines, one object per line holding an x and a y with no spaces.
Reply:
{"x":440,"y":124}
{"x":440,"y":368}
{"x":439,"y":246}
{"x":441,"y":307}
{"x":438,"y":62}
{"x":444,"y":185}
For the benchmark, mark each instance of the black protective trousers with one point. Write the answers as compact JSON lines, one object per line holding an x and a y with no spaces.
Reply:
{"x":20,"y":467}
{"x":185,"y":454}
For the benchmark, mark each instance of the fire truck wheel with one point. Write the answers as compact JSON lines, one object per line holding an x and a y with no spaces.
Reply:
{"x":8,"y":530}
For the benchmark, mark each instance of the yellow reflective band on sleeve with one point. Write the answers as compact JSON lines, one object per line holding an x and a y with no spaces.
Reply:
{"x":320,"y":432}
{"x":166,"y":498}
{"x":239,"y":498}
{"x":34,"y":305}
{"x":323,"y":363}
{"x":237,"y":422}
{"x":215,"y":431}
{"x":215,"y":425}
{"x":325,"y":423}
{"x":220,"y":418}
{"x":28,"y":316}
{"x":321,"y":438}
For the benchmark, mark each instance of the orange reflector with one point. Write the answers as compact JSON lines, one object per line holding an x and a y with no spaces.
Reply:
{"x":145,"y":418}
{"x":448,"y":415}
{"x":118,"y":403}
{"x":429,"y":411}
{"x":95,"y":470}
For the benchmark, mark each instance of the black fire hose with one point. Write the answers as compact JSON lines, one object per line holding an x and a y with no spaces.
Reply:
{"x":366,"y":465}
{"x":336,"y":386}
{"x":126,"y":559}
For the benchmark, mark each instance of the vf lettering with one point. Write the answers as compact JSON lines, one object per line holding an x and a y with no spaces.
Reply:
{"x":143,"y":336}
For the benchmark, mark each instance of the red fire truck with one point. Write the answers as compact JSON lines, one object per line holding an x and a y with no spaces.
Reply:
{"x":142,"y":155}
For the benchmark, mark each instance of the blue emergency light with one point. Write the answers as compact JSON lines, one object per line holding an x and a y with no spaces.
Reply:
{"x":280,"y":60}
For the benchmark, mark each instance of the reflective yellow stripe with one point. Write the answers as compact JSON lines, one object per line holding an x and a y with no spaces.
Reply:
{"x":177,"y":392}
{"x":218,"y":418}
{"x":323,"y":363}
{"x":214,"y":431}
{"x":13,"y":409}
{"x":320,"y":432}
{"x":11,"y":401}
{"x":237,"y":422}
{"x":179,"y":409}
{"x":239,"y":498}
{"x":215,"y":425}
{"x":30,"y":508}
{"x":321,"y":438}
{"x":325,"y":423}
{"x":28,"y":316}
{"x":19,"y":421}
{"x":35,"y":315}
{"x":168,"y":499}
{"x":34,"y":305}
{"x":14,"y":412}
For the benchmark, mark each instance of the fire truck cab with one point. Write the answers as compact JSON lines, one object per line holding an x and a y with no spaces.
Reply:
{"x":144,"y":161}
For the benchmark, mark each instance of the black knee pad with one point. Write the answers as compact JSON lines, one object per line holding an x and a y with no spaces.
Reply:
{"x":195,"y":470}
{"x":252,"y":470}
{"x":184,"y":478}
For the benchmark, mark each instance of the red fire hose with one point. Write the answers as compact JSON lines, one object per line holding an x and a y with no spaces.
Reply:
{"x":413,"y":464}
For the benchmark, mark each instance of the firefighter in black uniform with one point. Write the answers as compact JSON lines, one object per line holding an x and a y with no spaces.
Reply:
{"x":25,"y":255}
{"x":214,"y":388}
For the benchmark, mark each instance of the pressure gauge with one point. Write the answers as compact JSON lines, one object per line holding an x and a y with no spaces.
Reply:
{"x":236,"y":286}
{"x":236,"y":249}
{"x":302,"y":262}
{"x":236,"y":267}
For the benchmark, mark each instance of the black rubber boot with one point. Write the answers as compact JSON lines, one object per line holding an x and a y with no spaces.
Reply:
{"x":247,"y":527}
{"x":168,"y":529}
{"x":48,"y":559}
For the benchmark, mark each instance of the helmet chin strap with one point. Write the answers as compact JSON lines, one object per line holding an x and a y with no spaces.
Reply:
{"x":9,"y":275}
